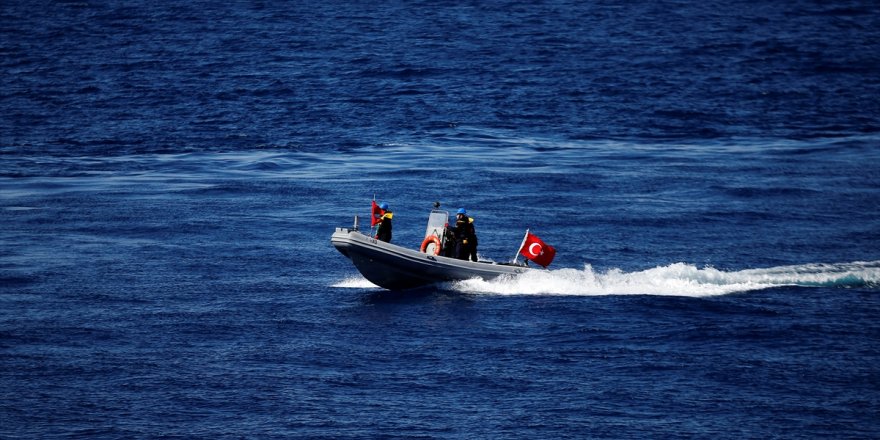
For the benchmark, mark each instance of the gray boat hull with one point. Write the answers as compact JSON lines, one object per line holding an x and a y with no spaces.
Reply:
{"x":395,"y":267}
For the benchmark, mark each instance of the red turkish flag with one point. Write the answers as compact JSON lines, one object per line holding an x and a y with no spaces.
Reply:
{"x":536,"y":250}
{"x":375,"y":214}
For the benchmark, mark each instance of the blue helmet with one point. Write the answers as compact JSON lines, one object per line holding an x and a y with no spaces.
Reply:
{"x":383,"y":206}
{"x":462,"y":211}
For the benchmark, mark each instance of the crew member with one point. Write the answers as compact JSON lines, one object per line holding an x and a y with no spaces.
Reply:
{"x":473,"y":242}
{"x":383,"y":231}
{"x":463,"y":232}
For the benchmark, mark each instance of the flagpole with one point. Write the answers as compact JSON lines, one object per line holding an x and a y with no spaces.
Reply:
{"x":521,"y":246}
{"x":371,"y":217}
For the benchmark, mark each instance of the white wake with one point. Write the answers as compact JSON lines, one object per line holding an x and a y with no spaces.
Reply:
{"x":677,"y":279}
{"x":356,"y":282}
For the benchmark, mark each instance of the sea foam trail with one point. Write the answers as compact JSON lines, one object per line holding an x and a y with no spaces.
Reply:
{"x":677,"y":279}
{"x":357,"y":282}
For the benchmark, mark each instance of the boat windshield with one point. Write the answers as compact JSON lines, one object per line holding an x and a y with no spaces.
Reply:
{"x":437,"y":222}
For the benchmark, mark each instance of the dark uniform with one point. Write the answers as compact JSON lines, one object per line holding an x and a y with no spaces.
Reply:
{"x":464,"y":237}
{"x":383,"y":231}
{"x":473,"y":242}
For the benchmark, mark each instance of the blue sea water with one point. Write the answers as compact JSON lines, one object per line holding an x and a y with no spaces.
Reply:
{"x":709,"y":173}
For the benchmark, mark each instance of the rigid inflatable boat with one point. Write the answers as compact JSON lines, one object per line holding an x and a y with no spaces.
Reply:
{"x":395,"y":267}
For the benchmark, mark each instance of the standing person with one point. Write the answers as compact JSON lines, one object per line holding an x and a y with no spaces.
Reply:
{"x":383,"y":231}
{"x":463,"y":233}
{"x":473,"y":243}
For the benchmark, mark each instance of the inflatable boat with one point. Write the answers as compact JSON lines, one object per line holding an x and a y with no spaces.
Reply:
{"x":395,"y":267}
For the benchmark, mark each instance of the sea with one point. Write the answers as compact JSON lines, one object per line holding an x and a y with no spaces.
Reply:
{"x":708,"y":173}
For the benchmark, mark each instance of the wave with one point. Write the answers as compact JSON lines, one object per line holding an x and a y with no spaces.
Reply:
{"x":677,"y":279}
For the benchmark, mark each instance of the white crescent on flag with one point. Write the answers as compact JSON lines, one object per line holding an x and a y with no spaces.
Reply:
{"x":532,"y":249}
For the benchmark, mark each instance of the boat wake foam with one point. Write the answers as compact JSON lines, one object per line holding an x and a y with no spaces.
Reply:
{"x":357,"y":282}
{"x":677,"y":279}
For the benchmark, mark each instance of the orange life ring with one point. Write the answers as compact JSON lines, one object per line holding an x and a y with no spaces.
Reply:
{"x":431,"y":239}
